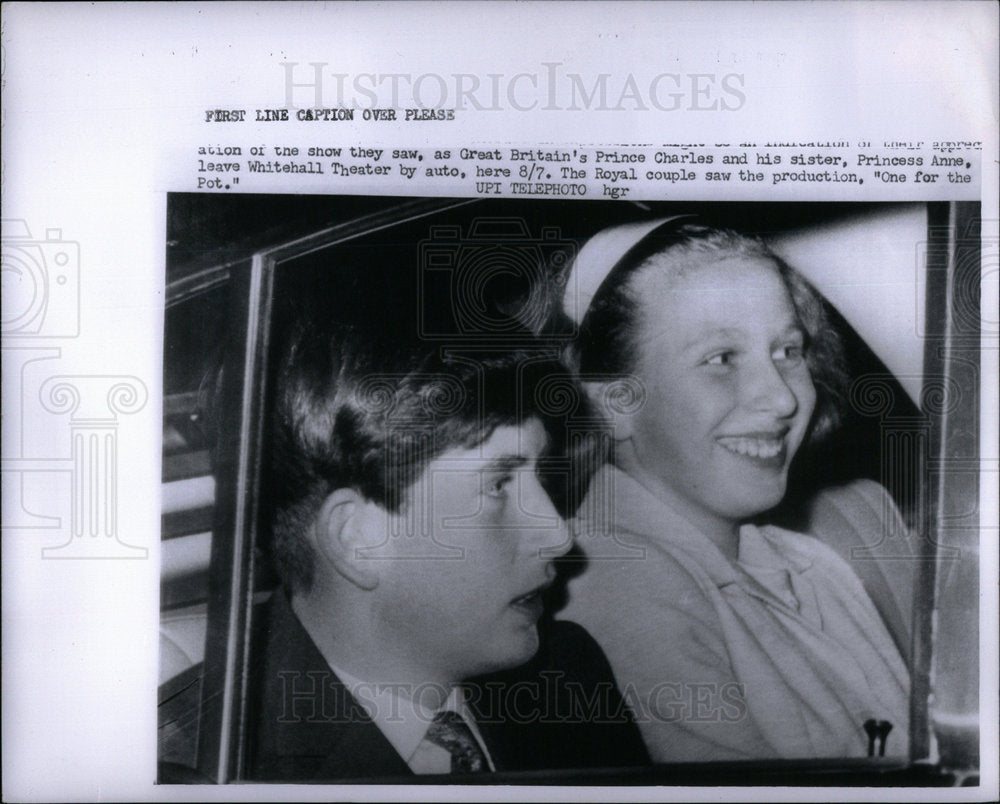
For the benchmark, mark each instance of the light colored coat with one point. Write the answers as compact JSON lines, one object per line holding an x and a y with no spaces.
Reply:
{"x":782,"y":655}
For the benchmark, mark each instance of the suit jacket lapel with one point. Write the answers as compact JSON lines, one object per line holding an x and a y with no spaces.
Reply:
{"x":361,"y":750}
{"x":310,"y":725}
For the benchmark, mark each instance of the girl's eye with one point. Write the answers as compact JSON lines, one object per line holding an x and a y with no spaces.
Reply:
{"x":790,"y":353}
{"x":720,"y":359}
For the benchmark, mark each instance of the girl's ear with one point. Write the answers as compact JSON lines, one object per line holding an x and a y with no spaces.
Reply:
{"x":342,"y":533}
{"x":618,"y":401}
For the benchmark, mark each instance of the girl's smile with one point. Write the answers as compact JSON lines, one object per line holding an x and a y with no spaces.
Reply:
{"x":730,"y":397}
{"x":767,"y":450}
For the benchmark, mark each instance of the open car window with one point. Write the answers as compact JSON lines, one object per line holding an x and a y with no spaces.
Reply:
{"x":901,"y":282}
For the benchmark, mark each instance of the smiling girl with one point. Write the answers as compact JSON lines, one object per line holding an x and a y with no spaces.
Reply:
{"x":731,"y":638}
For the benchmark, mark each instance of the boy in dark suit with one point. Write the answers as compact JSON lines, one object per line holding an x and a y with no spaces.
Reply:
{"x":415,"y":542}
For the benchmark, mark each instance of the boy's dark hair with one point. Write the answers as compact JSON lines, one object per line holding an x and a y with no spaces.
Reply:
{"x":365,"y":408}
{"x":606,"y":342}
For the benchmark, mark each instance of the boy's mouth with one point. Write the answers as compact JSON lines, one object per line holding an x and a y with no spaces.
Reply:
{"x":532,"y":603}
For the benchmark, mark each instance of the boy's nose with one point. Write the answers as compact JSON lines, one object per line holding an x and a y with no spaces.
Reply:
{"x":559,"y":539}
{"x":549,"y":533}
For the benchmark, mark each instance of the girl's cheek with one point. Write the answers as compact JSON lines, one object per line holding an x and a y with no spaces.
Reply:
{"x":806,"y":393}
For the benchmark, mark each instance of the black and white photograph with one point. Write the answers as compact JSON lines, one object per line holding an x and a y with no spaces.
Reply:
{"x":500,"y":492}
{"x":504,"y":401}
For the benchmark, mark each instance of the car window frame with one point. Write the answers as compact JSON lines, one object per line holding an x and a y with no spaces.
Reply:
{"x":223,"y":728}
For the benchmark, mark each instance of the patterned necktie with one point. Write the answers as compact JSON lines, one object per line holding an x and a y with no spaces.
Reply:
{"x":450,"y":732}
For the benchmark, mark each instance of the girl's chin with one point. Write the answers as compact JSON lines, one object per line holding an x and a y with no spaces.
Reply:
{"x":741,"y":501}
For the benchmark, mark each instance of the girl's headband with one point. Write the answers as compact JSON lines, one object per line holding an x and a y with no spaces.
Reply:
{"x":598,"y":258}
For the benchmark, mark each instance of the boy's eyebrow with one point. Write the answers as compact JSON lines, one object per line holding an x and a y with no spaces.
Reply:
{"x":505,"y":463}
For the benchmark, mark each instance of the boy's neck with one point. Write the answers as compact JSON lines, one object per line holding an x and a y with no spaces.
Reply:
{"x":356,"y":652}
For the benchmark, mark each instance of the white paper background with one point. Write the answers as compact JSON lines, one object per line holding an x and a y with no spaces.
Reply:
{"x":102,"y":106}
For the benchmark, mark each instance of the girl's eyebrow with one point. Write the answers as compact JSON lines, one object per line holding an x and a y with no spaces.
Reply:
{"x":699,"y":337}
{"x":793,"y":329}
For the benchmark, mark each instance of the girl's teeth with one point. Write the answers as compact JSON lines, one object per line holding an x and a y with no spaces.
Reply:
{"x":754,"y":447}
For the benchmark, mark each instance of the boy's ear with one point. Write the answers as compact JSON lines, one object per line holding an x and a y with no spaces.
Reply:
{"x":603,"y":396}
{"x":342,"y":532}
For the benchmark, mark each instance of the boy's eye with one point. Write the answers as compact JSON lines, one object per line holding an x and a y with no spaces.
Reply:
{"x":497,"y":486}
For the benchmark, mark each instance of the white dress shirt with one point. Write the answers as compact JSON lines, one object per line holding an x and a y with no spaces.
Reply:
{"x":404,"y":722}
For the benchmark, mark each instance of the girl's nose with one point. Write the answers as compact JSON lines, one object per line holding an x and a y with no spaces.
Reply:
{"x":769,"y":391}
